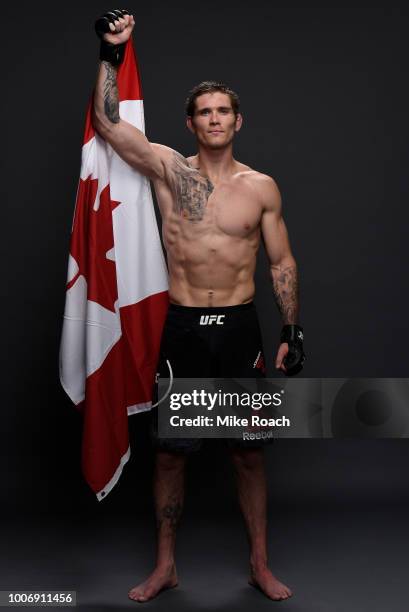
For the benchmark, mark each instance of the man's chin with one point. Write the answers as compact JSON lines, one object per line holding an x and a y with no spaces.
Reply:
{"x":217,"y":145}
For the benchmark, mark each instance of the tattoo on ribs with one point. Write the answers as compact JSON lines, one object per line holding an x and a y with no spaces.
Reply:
{"x":285,"y":285}
{"x":169,"y":514}
{"x":111,"y":99}
{"x":192,"y":189}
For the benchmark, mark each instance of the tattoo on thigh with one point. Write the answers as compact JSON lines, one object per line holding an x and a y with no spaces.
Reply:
{"x":192,"y":190}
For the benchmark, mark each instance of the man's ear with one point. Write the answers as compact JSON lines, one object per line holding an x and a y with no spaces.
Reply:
{"x":239,"y":122}
{"x":190,"y":124}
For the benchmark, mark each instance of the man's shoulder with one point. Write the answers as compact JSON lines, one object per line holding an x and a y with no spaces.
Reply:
{"x":163,"y":150}
{"x":258,"y":178}
{"x":169,"y":154}
{"x":172,"y":160}
{"x":264,"y":184}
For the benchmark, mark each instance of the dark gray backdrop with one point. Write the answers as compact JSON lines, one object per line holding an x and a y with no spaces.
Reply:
{"x":324,"y":95}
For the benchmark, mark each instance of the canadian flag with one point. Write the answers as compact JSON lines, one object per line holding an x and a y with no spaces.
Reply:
{"x":116,"y":297}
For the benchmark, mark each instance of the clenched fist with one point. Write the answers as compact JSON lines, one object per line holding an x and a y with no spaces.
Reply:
{"x":114,"y":29}
{"x":115,"y":26}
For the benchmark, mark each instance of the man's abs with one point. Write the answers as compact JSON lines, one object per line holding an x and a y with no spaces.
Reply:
{"x":211,"y":271}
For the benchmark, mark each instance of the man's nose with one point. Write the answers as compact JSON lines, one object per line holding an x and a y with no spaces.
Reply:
{"x":214,"y":117}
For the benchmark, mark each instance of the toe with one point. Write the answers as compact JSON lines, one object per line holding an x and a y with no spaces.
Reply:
{"x":135,"y":594}
{"x":142,"y":595}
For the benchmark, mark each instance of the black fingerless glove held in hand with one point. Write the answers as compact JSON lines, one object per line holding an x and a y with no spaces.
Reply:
{"x":294,"y":360}
{"x":114,"y":54}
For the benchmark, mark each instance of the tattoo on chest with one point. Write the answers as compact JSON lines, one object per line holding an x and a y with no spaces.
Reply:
{"x":192,"y":190}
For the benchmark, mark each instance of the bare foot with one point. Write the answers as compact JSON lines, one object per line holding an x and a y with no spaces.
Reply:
{"x":264,"y":580}
{"x":159,"y":580}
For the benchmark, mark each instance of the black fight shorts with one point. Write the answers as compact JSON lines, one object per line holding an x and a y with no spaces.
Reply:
{"x":209,"y":343}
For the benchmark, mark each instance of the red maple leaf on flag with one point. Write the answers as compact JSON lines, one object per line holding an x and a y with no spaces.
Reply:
{"x":92,"y":238}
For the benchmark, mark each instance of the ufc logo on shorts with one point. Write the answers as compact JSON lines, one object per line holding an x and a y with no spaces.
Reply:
{"x":210,"y":319}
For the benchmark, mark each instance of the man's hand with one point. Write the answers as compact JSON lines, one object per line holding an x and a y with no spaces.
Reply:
{"x":121,"y":27}
{"x":281,"y":355}
{"x":290,"y":357}
{"x":114,"y":29}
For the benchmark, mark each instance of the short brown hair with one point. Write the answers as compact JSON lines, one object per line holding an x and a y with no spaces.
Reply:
{"x":210,"y":87}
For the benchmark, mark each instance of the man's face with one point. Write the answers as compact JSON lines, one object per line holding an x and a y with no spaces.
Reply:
{"x":214,"y":122}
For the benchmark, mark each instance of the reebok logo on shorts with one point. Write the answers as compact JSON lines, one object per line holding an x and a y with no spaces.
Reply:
{"x":210,"y":319}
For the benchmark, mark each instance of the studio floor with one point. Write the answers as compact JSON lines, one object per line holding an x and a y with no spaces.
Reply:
{"x":351,"y":559}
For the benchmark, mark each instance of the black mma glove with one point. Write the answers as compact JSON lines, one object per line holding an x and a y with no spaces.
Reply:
{"x":114,"y":54}
{"x":294,"y":360}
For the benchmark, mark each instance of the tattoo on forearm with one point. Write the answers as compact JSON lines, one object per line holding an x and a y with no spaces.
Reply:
{"x":111,"y":99}
{"x":169,"y":514}
{"x":285,"y":283}
{"x":192,"y":190}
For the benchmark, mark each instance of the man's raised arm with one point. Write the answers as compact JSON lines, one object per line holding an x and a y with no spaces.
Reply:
{"x":129,"y":142}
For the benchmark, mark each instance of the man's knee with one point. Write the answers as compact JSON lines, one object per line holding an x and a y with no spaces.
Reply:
{"x":170,"y":462}
{"x":245,"y":459}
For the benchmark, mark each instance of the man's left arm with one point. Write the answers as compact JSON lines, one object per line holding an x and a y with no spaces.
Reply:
{"x":284,"y":275}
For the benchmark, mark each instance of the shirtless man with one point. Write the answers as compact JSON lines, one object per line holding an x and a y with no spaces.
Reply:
{"x":214,"y":212}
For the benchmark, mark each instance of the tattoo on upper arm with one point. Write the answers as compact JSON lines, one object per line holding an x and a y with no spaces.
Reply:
{"x":111,"y":98}
{"x":192,"y":190}
{"x":285,"y":283}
